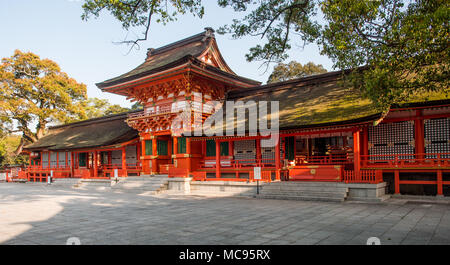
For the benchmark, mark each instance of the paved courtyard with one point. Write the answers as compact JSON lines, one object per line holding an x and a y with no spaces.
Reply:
{"x":37,"y":214}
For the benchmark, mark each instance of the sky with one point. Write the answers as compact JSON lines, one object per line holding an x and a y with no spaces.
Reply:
{"x":86,"y":51}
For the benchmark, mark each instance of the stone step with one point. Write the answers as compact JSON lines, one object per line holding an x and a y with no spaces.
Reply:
{"x":147,"y":184}
{"x":300,"y":192}
{"x":304,"y":184}
{"x":311,"y":191}
{"x":305,"y":189}
{"x":301,"y":198}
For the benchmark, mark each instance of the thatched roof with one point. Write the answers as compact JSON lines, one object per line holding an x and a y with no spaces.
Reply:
{"x":91,"y":133}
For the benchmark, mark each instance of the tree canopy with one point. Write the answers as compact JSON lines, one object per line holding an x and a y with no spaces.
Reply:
{"x":95,"y":107}
{"x":403,"y":45}
{"x":292,"y":70}
{"x":34,"y":91}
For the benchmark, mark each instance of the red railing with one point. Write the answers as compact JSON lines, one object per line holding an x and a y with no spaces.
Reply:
{"x":365,"y":176}
{"x":266,"y":175}
{"x":239,"y":163}
{"x":170,"y":108}
{"x":334,"y":159}
{"x":407,"y":160}
{"x":41,"y":172}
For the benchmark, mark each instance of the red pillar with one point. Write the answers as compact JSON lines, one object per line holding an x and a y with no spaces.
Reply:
{"x":175,"y":151}
{"x":217,"y":159}
{"x":95,"y":160}
{"x":439,"y":183}
{"x":175,"y":145}
{"x":154,"y":168}
{"x":124,"y":162}
{"x":397,"y":181}
{"x":356,"y":154}
{"x":188,"y":152}
{"x":420,"y":135}
{"x":72,"y":163}
{"x":277,"y":158}
{"x":258,"y":151}
{"x":49,"y":158}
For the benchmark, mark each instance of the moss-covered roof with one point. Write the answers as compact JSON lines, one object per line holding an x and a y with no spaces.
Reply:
{"x":312,"y":101}
{"x":87,"y":134}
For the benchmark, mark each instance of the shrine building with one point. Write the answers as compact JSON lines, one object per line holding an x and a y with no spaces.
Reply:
{"x":327,"y":132}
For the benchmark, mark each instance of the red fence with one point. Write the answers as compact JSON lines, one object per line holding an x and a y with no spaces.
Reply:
{"x":407,"y":160}
{"x":364,"y":176}
{"x":239,"y":163}
{"x":335,"y":159}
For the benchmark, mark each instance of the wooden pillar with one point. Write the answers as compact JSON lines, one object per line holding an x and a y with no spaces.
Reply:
{"x":67,"y":160}
{"x":95,"y":167}
{"x":175,"y":145}
{"x":188,"y":152}
{"x":49,"y":160}
{"x":364,"y":145}
{"x":356,"y":154}
{"x":217,"y":159}
{"x":439,"y":183}
{"x":154,"y":168}
{"x":142,"y":147}
{"x":258,"y":151}
{"x":57,"y":159}
{"x":124,"y":162}
{"x":72,"y":163}
{"x":397,"y":182}
{"x":277,"y":158}
{"x":419,"y":135}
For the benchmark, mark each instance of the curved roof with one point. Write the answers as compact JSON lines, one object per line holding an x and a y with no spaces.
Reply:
{"x":178,"y":53}
{"x":91,"y":133}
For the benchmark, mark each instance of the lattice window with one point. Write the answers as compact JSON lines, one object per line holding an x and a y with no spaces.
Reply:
{"x":437,"y":137}
{"x":44,"y":159}
{"x":245,"y":150}
{"x":131,"y":154}
{"x":53,"y":159}
{"x":116,"y":158}
{"x":390,"y":139}
{"x":61,"y":159}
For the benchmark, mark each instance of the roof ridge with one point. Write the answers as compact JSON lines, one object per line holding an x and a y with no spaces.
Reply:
{"x":97,"y":119}
{"x":208,"y":33}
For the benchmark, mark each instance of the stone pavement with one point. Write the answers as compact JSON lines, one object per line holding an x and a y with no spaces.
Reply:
{"x":37,"y":214}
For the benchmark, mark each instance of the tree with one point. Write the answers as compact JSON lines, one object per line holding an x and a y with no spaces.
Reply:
{"x":136,"y":106}
{"x":139,"y":13}
{"x":403,"y":45}
{"x":283,"y":72}
{"x":8,"y":145}
{"x":95,"y":107}
{"x":35,"y":92}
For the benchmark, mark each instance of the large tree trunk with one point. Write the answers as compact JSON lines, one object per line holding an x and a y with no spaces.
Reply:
{"x":20,"y":147}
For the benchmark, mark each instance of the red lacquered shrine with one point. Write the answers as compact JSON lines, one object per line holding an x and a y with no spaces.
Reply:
{"x":328,"y":131}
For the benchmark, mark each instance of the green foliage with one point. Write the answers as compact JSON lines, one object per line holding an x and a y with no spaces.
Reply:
{"x":403,"y":45}
{"x":8,"y":145}
{"x":137,"y":13}
{"x":274,"y":21}
{"x":95,"y":107}
{"x":136,"y":106}
{"x":35,"y":91}
{"x":293,"y":69}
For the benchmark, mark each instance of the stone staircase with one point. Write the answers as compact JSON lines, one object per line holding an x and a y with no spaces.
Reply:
{"x":307,"y":191}
{"x":144,"y":184}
